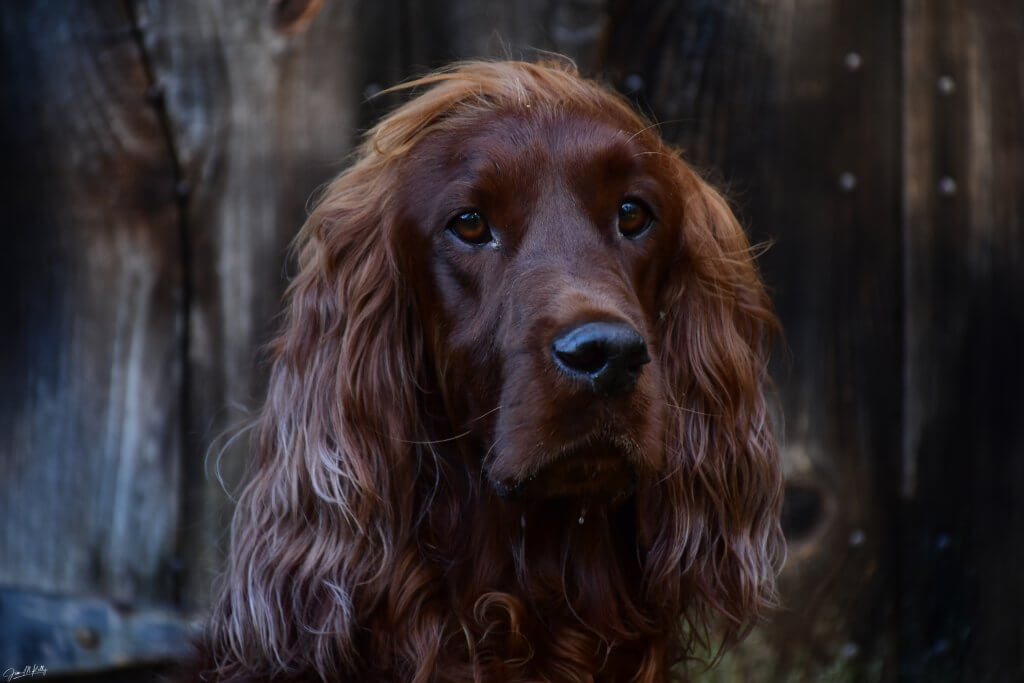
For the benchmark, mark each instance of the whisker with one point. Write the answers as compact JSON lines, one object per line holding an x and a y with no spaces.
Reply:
{"x":449,"y":439}
{"x":676,"y":469}
{"x":690,"y":410}
{"x":661,"y":154}
{"x":643,"y":130}
{"x":656,"y":124}
{"x":483,"y":415}
{"x":432,"y":442}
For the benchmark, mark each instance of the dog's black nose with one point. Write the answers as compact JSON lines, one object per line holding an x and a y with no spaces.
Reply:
{"x":608,"y":355}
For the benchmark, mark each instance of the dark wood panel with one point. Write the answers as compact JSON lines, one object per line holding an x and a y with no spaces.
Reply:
{"x":264,"y":109}
{"x":964,"y":451}
{"x":779,"y":103}
{"x":437,"y":32}
{"x":89,"y":426}
{"x":159,"y":157}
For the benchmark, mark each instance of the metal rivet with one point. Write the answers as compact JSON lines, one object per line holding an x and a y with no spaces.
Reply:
{"x":946,"y":85}
{"x":852,"y":61}
{"x":634,"y":83}
{"x":856,"y":538}
{"x":370,"y":90}
{"x":947,"y":186}
{"x":847,"y":181}
{"x":87,"y":637}
{"x":849,"y":649}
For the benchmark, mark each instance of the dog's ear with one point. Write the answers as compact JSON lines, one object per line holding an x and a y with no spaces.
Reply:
{"x":317,"y":530}
{"x":726,"y":486}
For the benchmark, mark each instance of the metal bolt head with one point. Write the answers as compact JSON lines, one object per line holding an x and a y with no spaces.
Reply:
{"x":946,"y":85}
{"x":87,"y":637}
{"x":847,"y":181}
{"x":370,"y":90}
{"x":947,"y":186}
{"x":856,"y":538}
{"x":852,"y":61}
{"x":634,"y":83}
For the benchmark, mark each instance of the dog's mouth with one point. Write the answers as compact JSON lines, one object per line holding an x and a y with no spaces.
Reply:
{"x":600,"y":470}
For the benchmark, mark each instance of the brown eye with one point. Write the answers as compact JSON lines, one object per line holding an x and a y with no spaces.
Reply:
{"x":470,"y":227}
{"x":634,"y":218}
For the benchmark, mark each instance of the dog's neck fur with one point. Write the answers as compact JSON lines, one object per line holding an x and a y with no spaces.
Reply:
{"x":518,"y":585}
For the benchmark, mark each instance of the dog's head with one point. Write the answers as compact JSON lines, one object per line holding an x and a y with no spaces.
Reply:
{"x":549,"y":237}
{"x":520,"y":276}
{"x":542,"y":240}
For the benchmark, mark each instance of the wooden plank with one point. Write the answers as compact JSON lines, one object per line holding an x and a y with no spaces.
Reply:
{"x":437,"y":32}
{"x":796,"y":108}
{"x":89,"y":419}
{"x":963,"y":458}
{"x":264,"y":111}
{"x":62,"y":634}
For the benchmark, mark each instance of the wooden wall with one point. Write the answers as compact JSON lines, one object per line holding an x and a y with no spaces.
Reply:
{"x":158,"y":156}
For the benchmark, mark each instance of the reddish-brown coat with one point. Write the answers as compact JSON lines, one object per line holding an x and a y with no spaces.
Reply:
{"x":413,"y":381}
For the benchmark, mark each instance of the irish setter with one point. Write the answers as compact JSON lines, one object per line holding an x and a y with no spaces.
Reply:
{"x":516,"y":426}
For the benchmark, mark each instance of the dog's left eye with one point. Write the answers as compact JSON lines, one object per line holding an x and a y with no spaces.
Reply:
{"x":471,"y":228}
{"x":634,"y":218}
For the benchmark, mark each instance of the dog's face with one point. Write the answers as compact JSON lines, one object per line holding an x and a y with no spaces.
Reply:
{"x":539,"y":246}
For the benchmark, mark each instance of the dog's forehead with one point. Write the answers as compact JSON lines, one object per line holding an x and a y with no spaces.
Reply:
{"x":537,"y":140}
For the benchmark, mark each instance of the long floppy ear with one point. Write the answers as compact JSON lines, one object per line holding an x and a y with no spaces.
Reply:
{"x":718,"y":329}
{"x":320,"y":524}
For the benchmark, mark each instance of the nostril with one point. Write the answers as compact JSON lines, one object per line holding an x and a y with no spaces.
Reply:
{"x":610,"y":355}
{"x":635,"y":357}
{"x":587,"y":357}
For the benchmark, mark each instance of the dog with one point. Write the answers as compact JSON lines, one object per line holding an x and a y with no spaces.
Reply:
{"x":517,"y":425}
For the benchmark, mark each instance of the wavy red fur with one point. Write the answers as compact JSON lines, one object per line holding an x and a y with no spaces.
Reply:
{"x":371,"y":543}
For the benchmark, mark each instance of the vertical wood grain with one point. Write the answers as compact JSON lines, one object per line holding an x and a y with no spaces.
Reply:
{"x":805,"y":138}
{"x":160,"y":156}
{"x":264,"y":113}
{"x":437,"y":32}
{"x":963,"y":457}
{"x":90,"y":443}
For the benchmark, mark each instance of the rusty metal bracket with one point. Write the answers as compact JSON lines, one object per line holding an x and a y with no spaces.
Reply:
{"x":75,"y":634}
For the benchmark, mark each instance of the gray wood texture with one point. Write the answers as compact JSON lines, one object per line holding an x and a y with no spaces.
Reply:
{"x":963,"y":456}
{"x":90,"y":435}
{"x":159,"y":157}
{"x":262,"y":113}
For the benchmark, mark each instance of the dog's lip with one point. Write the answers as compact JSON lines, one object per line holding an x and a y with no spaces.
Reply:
{"x":581,"y":470}
{"x":582,"y":464}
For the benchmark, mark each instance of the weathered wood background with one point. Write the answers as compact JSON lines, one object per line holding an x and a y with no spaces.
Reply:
{"x":157,"y":159}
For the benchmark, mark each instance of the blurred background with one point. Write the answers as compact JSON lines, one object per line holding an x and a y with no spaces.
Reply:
{"x":158,"y":157}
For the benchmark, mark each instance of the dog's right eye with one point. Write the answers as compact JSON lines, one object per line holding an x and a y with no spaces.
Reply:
{"x":634,"y":218}
{"x":471,"y":228}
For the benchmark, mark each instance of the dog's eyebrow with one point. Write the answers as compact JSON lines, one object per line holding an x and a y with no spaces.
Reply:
{"x":478,"y":163}
{"x":611,"y":157}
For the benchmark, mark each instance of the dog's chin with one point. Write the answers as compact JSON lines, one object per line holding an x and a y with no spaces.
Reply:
{"x":596,"y":472}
